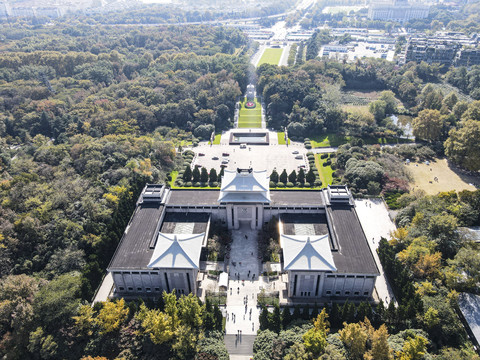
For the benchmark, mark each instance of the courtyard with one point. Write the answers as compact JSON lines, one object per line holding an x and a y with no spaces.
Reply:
{"x":267,"y":157}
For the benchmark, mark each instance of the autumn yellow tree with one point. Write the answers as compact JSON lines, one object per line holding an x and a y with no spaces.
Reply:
{"x":84,"y":321}
{"x":111,"y":316}
{"x":315,"y":339}
{"x":354,"y":337}
{"x":156,"y":324}
{"x":413,"y":349}
{"x":380,"y":349}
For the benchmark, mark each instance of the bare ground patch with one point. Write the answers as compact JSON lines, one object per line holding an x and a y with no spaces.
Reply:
{"x":439,"y":176}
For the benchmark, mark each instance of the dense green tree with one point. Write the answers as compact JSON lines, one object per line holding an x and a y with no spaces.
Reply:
{"x":428,"y":125}
{"x":195,"y":174}
{"x":283,"y":176}
{"x":213,"y":175}
{"x":187,"y":175}
{"x":310,"y":177}
{"x":462,"y":146}
{"x":274,"y":176}
{"x":203,"y":175}
{"x":292,"y":177}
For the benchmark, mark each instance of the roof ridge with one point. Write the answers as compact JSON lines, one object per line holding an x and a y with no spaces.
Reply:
{"x":304,"y":249}
{"x":175,"y":245}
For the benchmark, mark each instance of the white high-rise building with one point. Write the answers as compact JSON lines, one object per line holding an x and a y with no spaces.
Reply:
{"x":398,"y":10}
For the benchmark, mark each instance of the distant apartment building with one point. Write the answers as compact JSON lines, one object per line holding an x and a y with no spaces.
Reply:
{"x":443,"y":48}
{"x":399,"y":10}
{"x":467,"y":57}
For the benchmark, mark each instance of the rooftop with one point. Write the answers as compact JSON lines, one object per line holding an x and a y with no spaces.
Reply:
{"x":177,"y":251}
{"x":184,"y":223}
{"x":307,"y":252}
{"x":470,"y":307}
{"x":245,"y":186}
{"x":353,"y":255}
{"x":134,"y":250}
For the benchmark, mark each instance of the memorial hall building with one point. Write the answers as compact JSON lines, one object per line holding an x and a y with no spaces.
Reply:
{"x":324,"y":250}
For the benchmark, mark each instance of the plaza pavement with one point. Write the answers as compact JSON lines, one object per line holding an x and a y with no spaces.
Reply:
{"x":259,"y":157}
{"x":376,"y":223}
{"x":241,"y":310}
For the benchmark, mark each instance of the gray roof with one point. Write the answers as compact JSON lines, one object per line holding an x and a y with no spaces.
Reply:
{"x":470,"y":307}
{"x":193,"y":197}
{"x":296,"y":198}
{"x":292,"y":224}
{"x":177,"y":251}
{"x":179,"y":222}
{"x":353,"y":255}
{"x":134,"y":250}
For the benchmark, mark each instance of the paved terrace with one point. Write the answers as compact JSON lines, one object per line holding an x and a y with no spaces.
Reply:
{"x":376,"y":223}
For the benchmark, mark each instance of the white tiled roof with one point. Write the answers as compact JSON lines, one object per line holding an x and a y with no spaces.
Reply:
{"x":177,"y":251}
{"x":245,"y":186}
{"x":307,"y":252}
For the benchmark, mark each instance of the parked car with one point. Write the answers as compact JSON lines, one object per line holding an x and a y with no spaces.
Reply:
{"x":299,"y":157}
{"x":225,"y":154}
{"x":201,"y":154}
{"x":295,"y":152}
{"x":215,"y":158}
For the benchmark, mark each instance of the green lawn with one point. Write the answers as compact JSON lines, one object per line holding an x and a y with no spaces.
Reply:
{"x":281,"y":138}
{"x":334,"y":140}
{"x":328,"y":140}
{"x":271,"y":56}
{"x":325,"y":172}
{"x":217,"y":139}
{"x":250,"y":118}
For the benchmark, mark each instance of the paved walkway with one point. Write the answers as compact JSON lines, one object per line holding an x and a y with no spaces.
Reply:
{"x":376,"y":223}
{"x":105,"y":289}
{"x":241,"y":310}
{"x":240,"y":347}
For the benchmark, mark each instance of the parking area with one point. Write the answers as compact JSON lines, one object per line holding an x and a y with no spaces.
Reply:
{"x":259,"y":157}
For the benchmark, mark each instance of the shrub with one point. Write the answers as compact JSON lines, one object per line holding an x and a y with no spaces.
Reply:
{"x":308,"y":146}
{"x":315,"y":171}
{"x":197,"y":184}
{"x":214,"y":184}
{"x":332,"y":155}
{"x":334,"y":173}
{"x":310,"y":153}
{"x":179,"y":183}
{"x":293,"y":138}
{"x":272,"y":184}
{"x":289,"y":184}
{"x":298,"y":184}
{"x":280,"y":184}
{"x":307,"y":184}
{"x":324,"y":156}
{"x":180,"y":173}
{"x":318,"y":183}
{"x":333,"y":166}
{"x":307,"y":139}
{"x":328,"y":162}
{"x":188,"y":184}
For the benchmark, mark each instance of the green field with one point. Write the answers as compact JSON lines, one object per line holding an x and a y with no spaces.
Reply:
{"x":328,"y":140}
{"x":250,"y":118}
{"x":335,"y":140}
{"x":325,"y":172}
{"x":217,"y":139}
{"x":281,"y":138}
{"x":271,"y":56}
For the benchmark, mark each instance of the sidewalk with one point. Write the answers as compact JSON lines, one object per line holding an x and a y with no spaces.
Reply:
{"x":376,"y":223}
